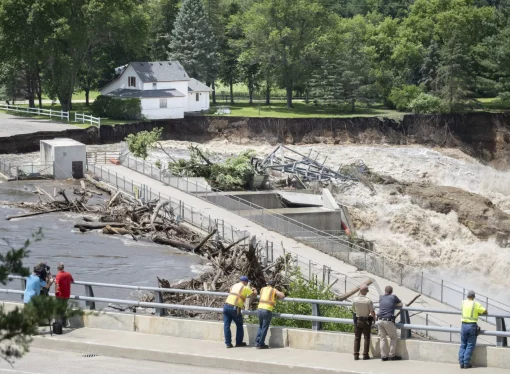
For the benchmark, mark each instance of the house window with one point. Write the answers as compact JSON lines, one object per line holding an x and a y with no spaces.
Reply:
{"x":162,"y":103}
{"x":197,"y":95}
{"x":131,"y":81}
{"x":154,"y":86}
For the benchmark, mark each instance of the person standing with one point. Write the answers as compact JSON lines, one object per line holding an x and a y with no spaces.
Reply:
{"x":386,"y":324}
{"x":267,"y":302}
{"x":35,"y":282}
{"x":232,"y":311}
{"x":63,"y":282}
{"x":363,"y":318}
{"x":471,"y":309}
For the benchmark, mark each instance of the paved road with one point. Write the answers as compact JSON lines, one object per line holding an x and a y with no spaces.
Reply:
{"x":44,"y":361}
{"x":13,"y":125}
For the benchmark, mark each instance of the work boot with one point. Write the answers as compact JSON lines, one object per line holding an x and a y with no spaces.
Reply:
{"x":468,"y":366}
{"x":367,"y":357}
{"x":395,"y":358}
{"x":356,"y":357}
{"x":243,"y":344}
{"x":263,"y":346}
{"x":230,"y":346}
{"x":384,"y":358}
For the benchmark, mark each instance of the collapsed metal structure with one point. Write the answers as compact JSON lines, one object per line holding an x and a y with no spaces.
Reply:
{"x":286,"y":160}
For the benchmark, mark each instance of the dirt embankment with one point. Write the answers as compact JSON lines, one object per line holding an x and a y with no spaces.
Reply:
{"x":485,"y":136}
{"x":475,"y":212}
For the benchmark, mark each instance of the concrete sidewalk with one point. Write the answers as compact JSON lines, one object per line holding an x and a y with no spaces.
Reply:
{"x":138,"y":346}
{"x":295,"y":247}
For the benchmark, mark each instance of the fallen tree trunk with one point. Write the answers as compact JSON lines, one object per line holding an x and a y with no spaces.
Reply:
{"x":173,"y":243}
{"x":99,"y":225}
{"x":348,"y":294}
{"x":37,"y":213}
{"x":119,"y":231}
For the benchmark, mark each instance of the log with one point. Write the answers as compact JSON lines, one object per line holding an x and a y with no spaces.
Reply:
{"x":42,"y":192}
{"x":235,"y":243}
{"x":173,"y":243}
{"x":204,"y":241}
{"x":112,"y":200}
{"x":99,"y":225}
{"x":100,"y":185}
{"x":348,"y":294}
{"x":160,"y":205}
{"x":37,"y":213}
{"x":119,"y":231}
{"x":409,"y":304}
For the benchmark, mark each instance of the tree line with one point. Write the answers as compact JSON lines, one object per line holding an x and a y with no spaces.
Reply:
{"x":421,"y":55}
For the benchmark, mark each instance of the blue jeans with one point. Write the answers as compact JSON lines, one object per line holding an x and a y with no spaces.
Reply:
{"x":265,"y":317}
{"x":231,"y":313}
{"x":467,"y":342}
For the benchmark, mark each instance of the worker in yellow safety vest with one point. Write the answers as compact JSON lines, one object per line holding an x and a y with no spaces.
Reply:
{"x":232,"y":311}
{"x":471,"y":309}
{"x":267,"y":302}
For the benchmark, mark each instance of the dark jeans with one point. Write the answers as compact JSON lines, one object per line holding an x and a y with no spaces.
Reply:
{"x":265,"y":317}
{"x":362,"y":327}
{"x":467,"y":342}
{"x":231,"y":313}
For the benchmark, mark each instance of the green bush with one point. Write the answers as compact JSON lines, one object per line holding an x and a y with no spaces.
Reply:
{"x":426,"y":103}
{"x":125,"y":109}
{"x":402,"y":97}
{"x":300,"y":288}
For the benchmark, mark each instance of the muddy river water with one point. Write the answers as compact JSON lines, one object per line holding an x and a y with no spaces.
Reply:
{"x":89,"y":256}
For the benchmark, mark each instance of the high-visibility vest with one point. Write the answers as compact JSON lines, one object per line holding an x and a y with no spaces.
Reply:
{"x":236,"y":297}
{"x":470,"y":311}
{"x":267,"y":298}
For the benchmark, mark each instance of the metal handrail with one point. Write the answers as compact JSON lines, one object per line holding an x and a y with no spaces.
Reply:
{"x":323,"y":235}
{"x":299,"y":317}
{"x":287,"y":299}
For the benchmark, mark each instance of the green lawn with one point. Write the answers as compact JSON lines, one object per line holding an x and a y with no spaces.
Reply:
{"x":493,"y":104}
{"x":279,"y":109}
{"x":80,"y":95}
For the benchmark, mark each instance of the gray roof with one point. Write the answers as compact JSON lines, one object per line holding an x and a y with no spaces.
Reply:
{"x":197,"y":86}
{"x":160,"y":71}
{"x":145,"y":94}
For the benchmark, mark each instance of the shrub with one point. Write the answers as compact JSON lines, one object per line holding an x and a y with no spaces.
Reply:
{"x":125,"y":109}
{"x":426,"y":103}
{"x":402,"y":97}
{"x":504,"y":97}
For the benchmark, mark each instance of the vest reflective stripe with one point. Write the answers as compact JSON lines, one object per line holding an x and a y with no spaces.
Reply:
{"x":236,"y":295}
{"x":267,"y":298}
{"x":468,"y":314}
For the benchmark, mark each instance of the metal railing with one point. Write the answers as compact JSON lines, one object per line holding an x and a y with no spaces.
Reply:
{"x":81,"y":117}
{"x":405,"y":317}
{"x":102,"y":157}
{"x":36,"y":111}
{"x":20,"y":171}
{"x":340,"y":247}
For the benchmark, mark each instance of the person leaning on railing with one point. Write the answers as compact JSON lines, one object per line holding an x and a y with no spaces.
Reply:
{"x":267,"y":302}
{"x":232,"y":311}
{"x":471,"y":309}
{"x":386,"y":324}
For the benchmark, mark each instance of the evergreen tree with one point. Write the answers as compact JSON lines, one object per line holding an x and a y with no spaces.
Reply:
{"x":193,"y":43}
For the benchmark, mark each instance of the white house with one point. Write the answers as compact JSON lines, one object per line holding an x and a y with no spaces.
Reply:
{"x":163,"y":87}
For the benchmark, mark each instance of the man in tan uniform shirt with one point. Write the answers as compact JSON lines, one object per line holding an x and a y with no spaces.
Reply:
{"x":365,"y":314}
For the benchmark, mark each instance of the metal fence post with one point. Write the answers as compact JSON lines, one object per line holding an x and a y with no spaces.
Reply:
{"x":316,"y":312}
{"x":89,"y":292}
{"x":159,"y":299}
{"x":421,"y":286}
{"x":405,"y":319}
{"x":23,"y":286}
{"x":309,"y":270}
{"x":501,"y":341}
{"x":442,"y":289}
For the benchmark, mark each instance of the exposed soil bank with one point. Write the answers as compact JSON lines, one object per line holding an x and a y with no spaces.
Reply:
{"x":485,"y":136}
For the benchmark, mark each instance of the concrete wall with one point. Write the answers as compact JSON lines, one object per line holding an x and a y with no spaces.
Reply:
{"x":321,"y":219}
{"x":63,"y":154}
{"x":413,"y":349}
{"x":267,"y":200}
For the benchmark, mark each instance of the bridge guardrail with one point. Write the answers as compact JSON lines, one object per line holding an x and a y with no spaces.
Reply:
{"x":363,"y":258}
{"x":405,"y":320}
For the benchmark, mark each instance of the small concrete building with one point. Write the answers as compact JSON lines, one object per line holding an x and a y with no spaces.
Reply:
{"x":68,"y":155}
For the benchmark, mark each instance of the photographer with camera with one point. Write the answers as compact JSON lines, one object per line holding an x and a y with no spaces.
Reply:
{"x":39,"y":280}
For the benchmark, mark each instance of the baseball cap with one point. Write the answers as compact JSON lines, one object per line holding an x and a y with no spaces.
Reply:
{"x":471,"y":293}
{"x":244,"y":278}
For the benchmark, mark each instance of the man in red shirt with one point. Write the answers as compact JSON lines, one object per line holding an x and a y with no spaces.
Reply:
{"x":63,"y":289}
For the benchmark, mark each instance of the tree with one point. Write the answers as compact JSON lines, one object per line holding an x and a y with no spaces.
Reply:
{"x":282,"y":32}
{"x":63,"y":32}
{"x":162,"y":14}
{"x":193,"y":43}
